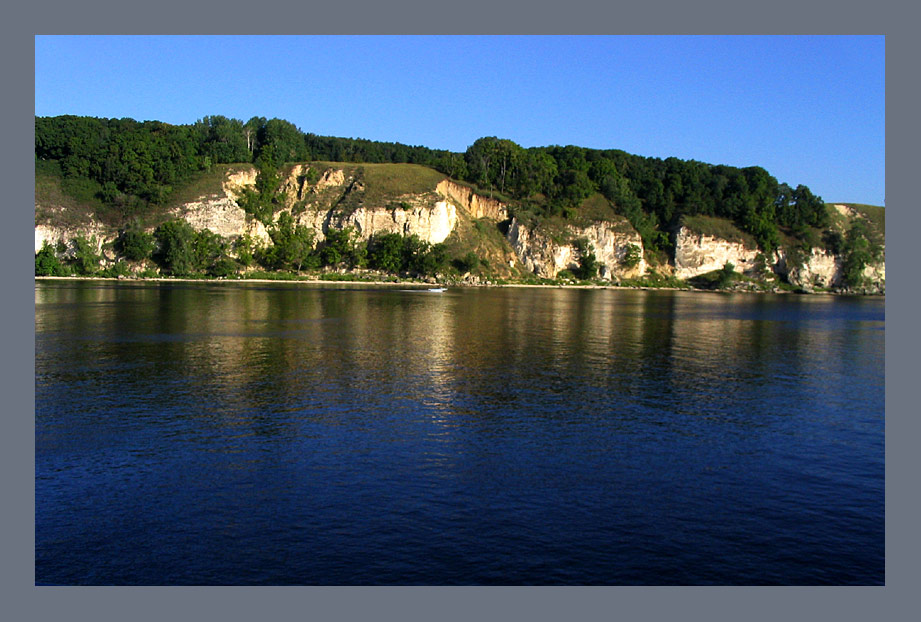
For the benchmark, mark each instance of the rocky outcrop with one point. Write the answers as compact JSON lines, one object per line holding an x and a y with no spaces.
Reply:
{"x":330,"y":178}
{"x":821,"y":268}
{"x":432,"y":224}
{"x":545,"y":254}
{"x":474,"y":204}
{"x":818,"y":268}
{"x":876,"y":273}
{"x":55,"y":235}
{"x":222,"y":216}
{"x":332,"y":197}
{"x":432,"y":221}
{"x":697,"y":253}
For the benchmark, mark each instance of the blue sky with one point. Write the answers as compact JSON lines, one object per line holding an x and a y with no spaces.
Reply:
{"x":811,"y":110}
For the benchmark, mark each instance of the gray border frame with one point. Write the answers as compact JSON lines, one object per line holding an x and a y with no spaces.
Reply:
{"x":24,"y":601}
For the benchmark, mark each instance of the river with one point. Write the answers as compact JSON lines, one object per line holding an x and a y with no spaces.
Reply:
{"x":242,"y":433}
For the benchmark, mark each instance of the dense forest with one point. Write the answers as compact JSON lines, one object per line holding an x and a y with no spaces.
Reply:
{"x":131,"y":165}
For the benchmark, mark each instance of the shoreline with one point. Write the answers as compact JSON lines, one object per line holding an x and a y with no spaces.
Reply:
{"x":423,"y":285}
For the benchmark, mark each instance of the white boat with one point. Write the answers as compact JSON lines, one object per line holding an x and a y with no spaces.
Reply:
{"x":438,"y":289}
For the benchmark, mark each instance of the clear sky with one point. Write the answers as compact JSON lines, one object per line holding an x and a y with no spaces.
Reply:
{"x":810,"y":110}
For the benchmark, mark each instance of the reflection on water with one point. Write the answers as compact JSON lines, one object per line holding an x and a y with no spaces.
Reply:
{"x":240,"y":433}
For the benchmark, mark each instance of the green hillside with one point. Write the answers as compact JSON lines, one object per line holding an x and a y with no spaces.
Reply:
{"x":131,"y":168}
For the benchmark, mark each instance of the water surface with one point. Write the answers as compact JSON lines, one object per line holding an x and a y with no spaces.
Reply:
{"x":222,"y":433}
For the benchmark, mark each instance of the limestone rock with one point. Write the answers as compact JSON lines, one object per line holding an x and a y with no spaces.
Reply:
{"x":546,"y":255}
{"x":696,"y":254}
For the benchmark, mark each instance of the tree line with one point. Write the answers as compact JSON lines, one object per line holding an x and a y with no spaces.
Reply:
{"x":133,"y":164}
{"x":651,"y":192}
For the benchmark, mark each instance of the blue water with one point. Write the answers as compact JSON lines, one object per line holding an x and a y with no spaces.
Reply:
{"x":288,"y":434}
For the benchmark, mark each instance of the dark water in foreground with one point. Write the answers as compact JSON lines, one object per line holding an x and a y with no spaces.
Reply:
{"x":283,"y":434}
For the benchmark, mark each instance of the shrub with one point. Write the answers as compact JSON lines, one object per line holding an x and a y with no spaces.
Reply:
{"x":223,"y":267}
{"x":467,"y":263}
{"x":857,"y":254}
{"x":243,"y":248}
{"x":117,"y":269}
{"x":588,"y":263}
{"x":176,"y":253}
{"x":47,"y":263}
{"x":632,"y":256}
{"x":385,"y":252}
{"x":135,"y":245}
{"x":86,"y":258}
{"x":726,"y":275}
{"x":565,"y":275}
{"x":432,"y":261}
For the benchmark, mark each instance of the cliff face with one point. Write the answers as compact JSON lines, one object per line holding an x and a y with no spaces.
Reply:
{"x":697,"y":253}
{"x":546,"y":254}
{"x":334,"y":200}
{"x":819,"y":268}
{"x":475,"y":205}
{"x":332,"y":196}
{"x":220,"y":213}
{"x":56,"y":234}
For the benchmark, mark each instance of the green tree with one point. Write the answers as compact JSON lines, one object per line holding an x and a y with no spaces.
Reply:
{"x":414,"y":251}
{"x":281,"y":141}
{"x":223,"y":267}
{"x":336,"y":247}
{"x":385,"y":252}
{"x":632,"y":256}
{"x":176,"y":251}
{"x":86,"y":256}
{"x":857,"y":254}
{"x":495,"y":163}
{"x":809,"y":208}
{"x":573,"y":187}
{"x":453,"y":165}
{"x":726,"y":275}
{"x":343,"y":246}
{"x":263,"y":200}
{"x":834,"y":242}
{"x":588,"y":263}
{"x":292,"y":244}
{"x":47,"y":262}
{"x":537,"y":172}
{"x":244,"y":248}
{"x":432,"y":261}
{"x":222,"y":140}
{"x":468,"y":263}
{"x":208,"y":248}
{"x":135,"y":244}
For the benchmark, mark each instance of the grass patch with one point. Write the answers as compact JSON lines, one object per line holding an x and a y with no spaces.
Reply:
{"x":556,"y":228}
{"x":876,"y":220}
{"x":488,"y":193}
{"x":53,"y":204}
{"x":718,"y":228}
{"x":594,"y":208}
{"x":484,"y":239}
{"x":386,"y":182}
{"x":204,"y":184}
{"x":74,"y":202}
{"x":874,"y":215}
